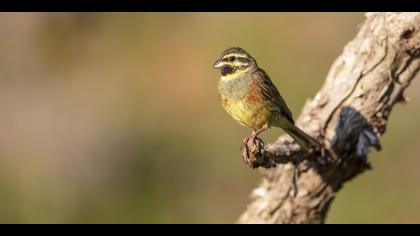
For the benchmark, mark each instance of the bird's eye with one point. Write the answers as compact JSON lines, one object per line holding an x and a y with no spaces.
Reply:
{"x":232,"y":58}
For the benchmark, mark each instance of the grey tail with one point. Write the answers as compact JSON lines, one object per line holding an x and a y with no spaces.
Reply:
{"x":305,"y":141}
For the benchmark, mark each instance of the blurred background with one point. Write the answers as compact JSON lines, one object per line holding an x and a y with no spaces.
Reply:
{"x":114,"y":117}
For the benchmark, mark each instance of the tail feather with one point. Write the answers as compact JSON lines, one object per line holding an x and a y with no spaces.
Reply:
{"x":303,"y":139}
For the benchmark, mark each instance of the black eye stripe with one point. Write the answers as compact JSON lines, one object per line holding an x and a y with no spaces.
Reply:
{"x":242,"y":59}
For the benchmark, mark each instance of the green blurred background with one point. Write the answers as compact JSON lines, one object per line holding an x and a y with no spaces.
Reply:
{"x":114,"y":117}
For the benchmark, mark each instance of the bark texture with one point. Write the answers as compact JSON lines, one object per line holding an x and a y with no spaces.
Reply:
{"x":347,"y":115}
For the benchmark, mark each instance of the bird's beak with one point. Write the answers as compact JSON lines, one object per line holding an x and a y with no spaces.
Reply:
{"x":217,"y":64}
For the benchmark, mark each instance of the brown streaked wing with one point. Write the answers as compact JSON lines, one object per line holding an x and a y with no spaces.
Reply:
{"x":270,"y":92}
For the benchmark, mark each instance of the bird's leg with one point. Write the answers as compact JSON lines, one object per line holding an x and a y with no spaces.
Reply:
{"x":255,"y":133}
{"x":252,"y":137}
{"x":245,"y":140}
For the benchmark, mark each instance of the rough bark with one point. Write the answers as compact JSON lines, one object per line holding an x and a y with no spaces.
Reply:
{"x":348,"y":115}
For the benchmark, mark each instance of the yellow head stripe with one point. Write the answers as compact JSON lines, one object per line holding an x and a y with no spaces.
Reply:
{"x":235,"y":55}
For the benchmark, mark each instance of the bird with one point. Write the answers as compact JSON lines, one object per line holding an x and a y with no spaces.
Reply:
{"x":247,"y":93}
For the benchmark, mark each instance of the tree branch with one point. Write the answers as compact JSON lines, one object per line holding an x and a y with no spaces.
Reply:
{"x":348,"y":115}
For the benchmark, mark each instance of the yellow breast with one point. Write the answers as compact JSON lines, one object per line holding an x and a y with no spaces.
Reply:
{"x":248,"y":113}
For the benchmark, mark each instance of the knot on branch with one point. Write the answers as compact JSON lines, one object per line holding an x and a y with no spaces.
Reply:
{"x":256,"y":154}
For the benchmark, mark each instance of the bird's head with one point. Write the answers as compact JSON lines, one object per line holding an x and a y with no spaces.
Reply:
{"x":235,"y":60}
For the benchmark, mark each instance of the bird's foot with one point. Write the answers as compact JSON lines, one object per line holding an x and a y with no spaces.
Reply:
{"x":245,"y":140}
{"x":245,"y":148}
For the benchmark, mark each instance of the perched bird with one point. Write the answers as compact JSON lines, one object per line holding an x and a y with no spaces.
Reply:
{"x":250,"y":97}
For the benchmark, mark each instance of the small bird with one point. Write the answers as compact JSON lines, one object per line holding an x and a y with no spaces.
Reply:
{"x":250,"y":97}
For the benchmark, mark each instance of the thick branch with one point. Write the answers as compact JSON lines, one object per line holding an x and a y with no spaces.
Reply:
{"x":348,"y":115}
